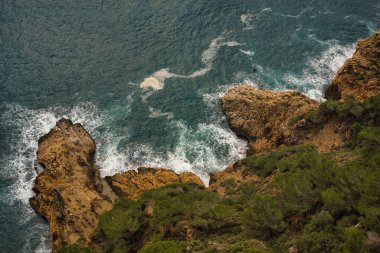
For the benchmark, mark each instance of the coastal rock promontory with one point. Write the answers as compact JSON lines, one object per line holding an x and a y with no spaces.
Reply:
{"x":69,"y":190}
{"x":263,"y":116}
{"x":70,"y":193}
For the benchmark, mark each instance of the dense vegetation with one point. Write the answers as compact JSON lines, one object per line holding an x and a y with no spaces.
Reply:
{"x":309,"y":201}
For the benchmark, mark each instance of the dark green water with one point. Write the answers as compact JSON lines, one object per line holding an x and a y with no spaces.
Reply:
{"x":86,"y":60}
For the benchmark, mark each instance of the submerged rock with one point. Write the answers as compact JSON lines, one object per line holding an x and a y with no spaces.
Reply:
{"x":360,"y":75}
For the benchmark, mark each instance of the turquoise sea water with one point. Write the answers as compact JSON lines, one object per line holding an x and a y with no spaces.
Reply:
{"x":87,"y":60}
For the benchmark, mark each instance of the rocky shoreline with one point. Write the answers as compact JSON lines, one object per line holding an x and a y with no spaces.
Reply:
{"x":70,"y":193}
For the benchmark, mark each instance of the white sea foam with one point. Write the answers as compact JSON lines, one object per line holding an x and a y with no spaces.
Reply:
{"x":212,"y":102}
{"x":146,"y":95}
{"x":247,"y":52}
{"x":208,"y":148}
{"x":320,"y":70}
{"x":246,"y":19}
{"x":154,"y":113}
{"x":249,"y":19}
{"x":156,"y":81}
{"x":202,"y":150}
{"x":248,"y":78}
{"x":108,"y":156}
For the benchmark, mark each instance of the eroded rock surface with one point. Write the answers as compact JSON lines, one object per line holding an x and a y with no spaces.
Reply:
{"x":70,"y":193}
{"x":132,"y":184}
{"x":263,"y":116}
{"x":69,"y":190}
{"x":360,"y":75}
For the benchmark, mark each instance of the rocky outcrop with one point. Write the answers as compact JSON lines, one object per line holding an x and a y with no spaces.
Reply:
{"x":69,"y":190}
{"x":263,"y":116}
{"x":132,"y":184}
{"x":360,"y":75}
{"x":268,"y":119}
{"x":70,"y":193}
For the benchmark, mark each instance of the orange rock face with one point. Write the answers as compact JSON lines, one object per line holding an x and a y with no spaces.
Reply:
{"x":132,"y":184}
{"x":360,"y":75}
{"x":68,"y":191}
{"x":262,"y":116}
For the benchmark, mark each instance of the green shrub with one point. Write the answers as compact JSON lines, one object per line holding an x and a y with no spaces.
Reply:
{"x":297,"y":191}
{"x":313,"y":117}
{"x":329,"y":107}
{"x":319,"y":235}
{"x":285,"y":159}
{"x":365,"y":112}
{"x":350,"y":107}
{"x":372,"y":104}
{"x":333,"y":199}
{"x":75,"y":248}
{"x":254,"y":250}
{"x":317,"y":242}
{"x":261,"y":165}
{"x":180,"y":202}
{"x":354,"y":241}
{"x":369,"y":204}
{"x":228,"y":183}
{"x":321,"y":221}
{"x":293,"y":120}
{"x":163,"y":247}
{"x":125,"y":217}
{"x":264,"y":218}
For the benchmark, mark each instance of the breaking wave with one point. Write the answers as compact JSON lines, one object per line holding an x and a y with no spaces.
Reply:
{"x":320,"y":71}
{"x":205,"y":149}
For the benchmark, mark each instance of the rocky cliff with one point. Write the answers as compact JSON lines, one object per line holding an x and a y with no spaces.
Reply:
{"x":360,"y":75}
{"x":273,"y":119}
{"x":69,"y":190}
{"x":70,"y":193}
{"x":262,"y":116}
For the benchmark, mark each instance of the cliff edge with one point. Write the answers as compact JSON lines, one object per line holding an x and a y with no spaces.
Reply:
{"x":360,"y":75}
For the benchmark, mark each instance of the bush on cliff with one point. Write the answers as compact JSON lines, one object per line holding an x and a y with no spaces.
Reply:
{"x":163,"y":247}
{"x":75,"y":248}
{"x":124,"y":218}
{"x":366,"y":112}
